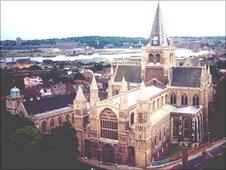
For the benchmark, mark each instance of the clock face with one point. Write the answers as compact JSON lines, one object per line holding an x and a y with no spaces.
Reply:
{"x":155,"y":40}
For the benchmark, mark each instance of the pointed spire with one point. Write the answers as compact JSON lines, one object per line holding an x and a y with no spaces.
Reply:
{"x":94,"y":83}
{"x":80,"y":95}
{"x":158,"y":36}
{"x":142,"y":96}
{"x":112,"y":70}
{"x":142,"y":85}
{"x":123,"y":80}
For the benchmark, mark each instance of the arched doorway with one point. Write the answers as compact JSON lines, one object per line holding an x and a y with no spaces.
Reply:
{"x":87,"y":148}
{"x":131,"y":155}
{"x":108,"y":153}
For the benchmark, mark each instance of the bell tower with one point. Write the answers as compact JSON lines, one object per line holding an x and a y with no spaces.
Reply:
{"x":159,"y":54}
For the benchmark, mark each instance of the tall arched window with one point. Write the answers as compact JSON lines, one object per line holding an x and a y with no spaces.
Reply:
{"x":184,"y":100}
{"x":195,"y":100}
{"x":166,"y":99}
{"x":162,"y":101}
{"x":52,"y":123}
{"x":132,"y":118}
{"x":153,"y":105}
{"x":158,"y":59}
{"x":44,"y":126}
{"x":157,"y":103}
{"x":60,"y":122}
{"x":173,"y":99}
{"x":67,"y":118}
{"x":151,"y":58}
{"x":108,"y":124}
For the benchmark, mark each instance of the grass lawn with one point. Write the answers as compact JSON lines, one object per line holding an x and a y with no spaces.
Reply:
{"x":172,"y":151}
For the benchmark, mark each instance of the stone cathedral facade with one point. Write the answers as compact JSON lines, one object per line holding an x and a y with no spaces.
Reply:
{"x":149,"y":107}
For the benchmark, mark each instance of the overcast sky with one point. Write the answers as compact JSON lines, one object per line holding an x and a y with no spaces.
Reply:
{"x":40,"y":19}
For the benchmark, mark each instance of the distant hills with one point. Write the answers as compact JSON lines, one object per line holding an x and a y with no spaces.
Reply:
{"x":97,"y":42}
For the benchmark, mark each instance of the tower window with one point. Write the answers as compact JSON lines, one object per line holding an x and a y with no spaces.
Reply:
{"x":173,"y":99}
{"x":158,"y":58}
{"x":184,"y":100}
{"x":151,"y":58}
{"x":196,"y":100}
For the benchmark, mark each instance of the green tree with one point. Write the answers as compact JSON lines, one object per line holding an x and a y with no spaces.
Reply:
{"x":26,"y":139}
{"x":59,"y":148}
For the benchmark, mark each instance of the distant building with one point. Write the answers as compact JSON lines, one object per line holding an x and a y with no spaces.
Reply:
{"x":32,"y":81}
{"x":21,"y":63}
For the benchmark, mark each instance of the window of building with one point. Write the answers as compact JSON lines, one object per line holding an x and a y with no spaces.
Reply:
{"x":153,"y":105}
{"x":60,"y":122}
{"x":184,"y":100}
{"x":173,"y":99}
{"x":151,"y":58}
{"x":158,"y":58}
{"x":52,"y":123}
{"x":196,"y":100}
{"x":132,"y":118}
{"x":68,"y":118}
{"x":166,"y":99}
{"x":109,"y":124}
{"x":44,"y":127}
{"x":162,"y":101}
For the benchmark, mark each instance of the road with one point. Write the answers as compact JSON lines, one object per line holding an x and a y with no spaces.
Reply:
{"x":200,"y":160}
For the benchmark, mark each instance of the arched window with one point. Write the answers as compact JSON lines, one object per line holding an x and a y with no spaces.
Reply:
{"x":151,"y":58}
{"x":108,"y":124}
{"x":184,"y":100}
{"x":72,"y":119}
{"x":153,"y":105}
{"x":60,"y":122}
{"x":173,"y":99}
{"x":162,"y":101}
{"x":67,"y":118}
{"x":158,"y":58}
{"x":160,"y":136}
{"x":52,"y":123}
{"x":157,"y":103}
{"x":44,"y":127}
{"x":195,"y":100}
{"x":166,"y":99}
{"x":132,"y":118}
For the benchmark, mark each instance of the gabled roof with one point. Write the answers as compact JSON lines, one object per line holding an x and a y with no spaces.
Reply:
{"x":158,"y":32}
{"x":132,"y":73}
{"x":186,"y":76}
{"x":48,"y":104}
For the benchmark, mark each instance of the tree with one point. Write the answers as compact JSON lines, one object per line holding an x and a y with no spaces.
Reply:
{"x":26,"y":139}
{"x":59,"y":149}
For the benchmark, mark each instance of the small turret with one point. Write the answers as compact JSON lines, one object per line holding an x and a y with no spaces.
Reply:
{"x":94,"y":97}
{"x":80,"y":101}
{"x":142,"y":96}
{"x":124,"y":86}
{"x":14,"y":93}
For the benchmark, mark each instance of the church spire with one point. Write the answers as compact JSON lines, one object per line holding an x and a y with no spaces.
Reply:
{"x":158,"y":36}
{"x":94,"y":83}
{"x":80,"y":95}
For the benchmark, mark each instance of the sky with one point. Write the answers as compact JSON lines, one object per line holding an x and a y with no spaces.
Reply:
{"x":61,"y":19}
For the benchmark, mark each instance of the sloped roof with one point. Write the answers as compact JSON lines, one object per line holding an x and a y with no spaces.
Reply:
{"x":48,"y":104}
{"x":132,"y":73}
{"x":186,"y":76}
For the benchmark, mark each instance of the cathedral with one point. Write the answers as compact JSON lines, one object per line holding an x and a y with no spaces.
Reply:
{"x":149,"y":106}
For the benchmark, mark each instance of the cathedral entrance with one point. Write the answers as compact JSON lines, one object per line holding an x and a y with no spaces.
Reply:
{"x":131,"y":155}
{"x":87,"y":148}
{"x":108,"y":153}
